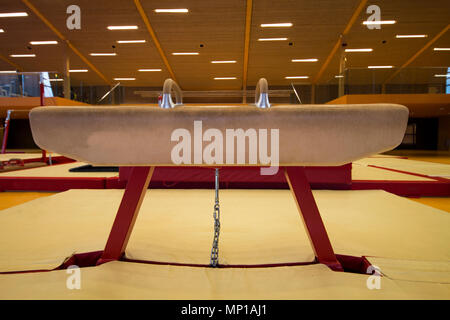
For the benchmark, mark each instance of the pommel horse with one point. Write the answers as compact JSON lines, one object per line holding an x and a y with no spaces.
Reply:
{"x":140,"y":137}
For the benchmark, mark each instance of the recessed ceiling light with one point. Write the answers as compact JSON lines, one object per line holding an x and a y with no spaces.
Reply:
{"x":131,"y":41}
{"x":52,"y":80}
{"x":171,"y":10}
{"x":359,"y":50}
{"x":380,"y":67}
{"x":8,"y":71}
{"x":149,"y":70}
{"x":272,"y":39}
{"x":185,"y":53}
{"x":36,"y":43}
{"x":379,"y":22}
{"x":13,"y":14}
{"x":225,"y":78}
{"x":23,"y":55}
{"x":122,"y":27}
{"x":2,"y":30}
{"x":441,"y":49}
{"x":406,"y":36}
{"x":224,"y":61}
{"x":305,"y":60}
{"x":124,"y":79}
{"x":103,"y":54}
{"x":78,"y":70}
{"x":276,"y":25}
{"x":296,"y":77}
{"x":442,"y":75}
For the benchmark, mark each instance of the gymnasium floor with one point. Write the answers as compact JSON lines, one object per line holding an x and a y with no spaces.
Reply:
{"x":407,"y":238}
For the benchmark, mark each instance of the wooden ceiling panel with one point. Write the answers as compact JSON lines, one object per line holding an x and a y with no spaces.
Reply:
{"x":217,"y":25}
{"x":413,"y":17}
{"x":220,"y":26}
{"x":316,"y":27}
{"x":435,"y":58}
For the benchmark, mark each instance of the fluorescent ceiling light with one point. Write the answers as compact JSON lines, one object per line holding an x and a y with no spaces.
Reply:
{"x":224,"y":61}
{"x":405,"y":36}
{"x":1,"y":30}
{"x":276,"y":25}
{"x":297,"y":77}
{"x":103,"y":54}
{"x":131,"y":41}
{"x":441,"y":49}
{"x":79,"y":70}
{"x":380,"y":67}
{"x":272,"y":39}
{"x":13,"y":14}
{"x":305,"y":60}
{"x":338,"y":76}
{"x":23,"y":55}
{"x":442,"y":75}
{"x":379,"y":22}
{"x":36,"y":43}
{"x":225,"y":78}
{"x":149,"y":70}
{"x":171,"y":10}
{"x":359,"y":50}
{"x":124,"y":79}
{"x":185,"y":53}
{"x":122,"y":27}
{"x":51,"y":80}
{"x":8,"y":71}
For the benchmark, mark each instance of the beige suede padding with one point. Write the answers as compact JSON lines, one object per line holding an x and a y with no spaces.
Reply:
{"x":310,"y":135}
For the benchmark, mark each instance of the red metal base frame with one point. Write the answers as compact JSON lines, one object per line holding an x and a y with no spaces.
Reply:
{"x":137,"y":186}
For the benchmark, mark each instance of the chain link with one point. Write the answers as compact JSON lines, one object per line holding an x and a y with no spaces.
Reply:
{"x":215,"y":246}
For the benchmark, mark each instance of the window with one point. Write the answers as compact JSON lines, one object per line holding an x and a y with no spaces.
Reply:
{"x":410,"y":134}
{"x":447,"y":81}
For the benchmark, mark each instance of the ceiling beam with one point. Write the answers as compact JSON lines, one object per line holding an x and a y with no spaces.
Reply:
{"x":64,"y":39}
{"x":154,"y":38}
{"x":349,"y":25}
{"x":11,"y":63}
{"x":418,"y":53}
{"x":248,"y":25}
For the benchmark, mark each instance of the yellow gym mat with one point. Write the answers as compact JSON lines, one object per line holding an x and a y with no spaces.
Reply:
{"x":258,"y":227}
{"x":126,"y":280}
{"x":58,"y":171}
{"x":414,"y":166}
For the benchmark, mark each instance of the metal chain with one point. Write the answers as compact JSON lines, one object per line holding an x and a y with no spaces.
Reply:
{"x":215,"y":246}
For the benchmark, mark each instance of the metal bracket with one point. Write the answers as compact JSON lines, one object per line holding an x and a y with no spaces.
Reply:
{"x":262,"y":94}
{"x":167,"y":102}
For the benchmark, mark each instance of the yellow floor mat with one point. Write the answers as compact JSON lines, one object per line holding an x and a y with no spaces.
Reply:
{"x":125,"y":280}
{"x":60,"y":170}
{"x":414,"y":166}
{"x":435,"y":202}
{"x":258,"y":227}
{"x":11,"y":199}
{"x":361,"y":171}
{"x":413,"y":270}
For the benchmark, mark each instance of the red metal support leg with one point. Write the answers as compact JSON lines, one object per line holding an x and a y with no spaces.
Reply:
{"x":41,"y":94}
{"x":126,"y":215}
{"x":307,"y":207}
{"x":6,"y":132}
{"x":44,"y":156}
